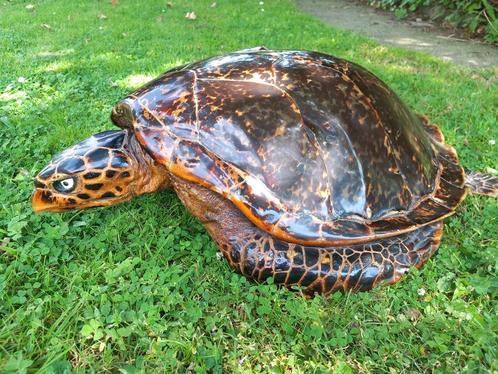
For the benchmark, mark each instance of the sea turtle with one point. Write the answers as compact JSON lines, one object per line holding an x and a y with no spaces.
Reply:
{"x":302,"y":167}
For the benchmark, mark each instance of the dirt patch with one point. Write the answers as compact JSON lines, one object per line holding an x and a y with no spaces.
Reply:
{"x":386,"y":29}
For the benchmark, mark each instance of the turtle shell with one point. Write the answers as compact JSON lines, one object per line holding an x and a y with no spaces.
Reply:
{"x":311,"y":148}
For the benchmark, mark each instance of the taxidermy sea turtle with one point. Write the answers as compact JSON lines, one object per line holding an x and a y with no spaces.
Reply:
{"x":302,"y":167}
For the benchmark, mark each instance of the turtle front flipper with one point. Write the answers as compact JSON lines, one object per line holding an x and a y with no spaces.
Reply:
{"x":482,"y":183}
{"x":259,"y":256}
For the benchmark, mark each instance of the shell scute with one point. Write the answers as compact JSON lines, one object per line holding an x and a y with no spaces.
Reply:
{"x":192,"y":162}
{"x":340,"y":114}
{"x":451,"y":172}
{"x":252,"y":126}
{"x":449,"y":193}
{"x":168,"y":103}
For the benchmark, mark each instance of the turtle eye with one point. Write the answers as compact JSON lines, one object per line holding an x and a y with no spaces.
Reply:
{"x":65,"y":185}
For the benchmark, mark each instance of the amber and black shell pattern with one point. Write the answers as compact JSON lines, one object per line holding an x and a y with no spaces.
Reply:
{"x":313,"y":149}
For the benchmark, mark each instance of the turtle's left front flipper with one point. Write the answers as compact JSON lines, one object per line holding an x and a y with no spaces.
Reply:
{"x":482,"y":183}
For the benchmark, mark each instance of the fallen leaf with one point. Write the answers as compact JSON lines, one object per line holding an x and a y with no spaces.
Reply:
{"x":191,"y":16}
{"x":169,"y":4}
{"x":5,"y":241}
{"x":213,"y":5}
{"x":30,"y":7}
{"x":46,"y":26}
{"x":23,"y":172}
{"x":102,"y":16}
{"x":160,"y":18}
{"x":114,"y":2}
{"x":125,"y":34}
{"x":422,"y":350}
{"x":4,"y":121}
{"x":413,"y":314}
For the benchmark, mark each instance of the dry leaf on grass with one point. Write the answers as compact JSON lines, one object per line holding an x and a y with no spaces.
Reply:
{"x":5,"y":241}
{"x":191,"y":16}
{"x":413,"y":314}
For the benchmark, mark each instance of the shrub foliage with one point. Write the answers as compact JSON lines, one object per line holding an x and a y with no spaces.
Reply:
{"x":473,"y":15}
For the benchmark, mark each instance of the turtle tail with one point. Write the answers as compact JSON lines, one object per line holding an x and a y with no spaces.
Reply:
{"x":482,"y":183}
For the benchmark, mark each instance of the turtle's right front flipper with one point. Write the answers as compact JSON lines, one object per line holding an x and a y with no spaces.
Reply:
{"x":482,"y":183}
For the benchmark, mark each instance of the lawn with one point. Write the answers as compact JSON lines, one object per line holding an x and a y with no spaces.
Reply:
{"x":139,"y":287}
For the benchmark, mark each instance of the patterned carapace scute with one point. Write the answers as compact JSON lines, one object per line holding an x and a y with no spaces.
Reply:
{"x":311,"y":148}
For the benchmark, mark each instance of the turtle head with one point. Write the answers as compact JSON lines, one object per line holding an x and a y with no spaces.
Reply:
{"x":106,"y":169}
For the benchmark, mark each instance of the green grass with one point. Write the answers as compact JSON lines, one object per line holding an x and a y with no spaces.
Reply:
{"x":138,"y":287}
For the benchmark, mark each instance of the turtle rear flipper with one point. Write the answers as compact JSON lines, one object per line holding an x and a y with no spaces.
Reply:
{"x":482,"y":183}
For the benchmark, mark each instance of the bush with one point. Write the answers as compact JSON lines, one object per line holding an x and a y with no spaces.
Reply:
{"x":473,"y":15}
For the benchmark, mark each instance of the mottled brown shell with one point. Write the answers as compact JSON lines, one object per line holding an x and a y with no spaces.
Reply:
{"x":311,"y":148}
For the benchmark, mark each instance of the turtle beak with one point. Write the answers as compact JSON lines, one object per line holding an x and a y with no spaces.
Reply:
{"x":42,"y":201}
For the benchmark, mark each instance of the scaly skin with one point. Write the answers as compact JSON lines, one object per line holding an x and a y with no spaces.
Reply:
{"x":482,"y":183}
{"x":106,"y":169}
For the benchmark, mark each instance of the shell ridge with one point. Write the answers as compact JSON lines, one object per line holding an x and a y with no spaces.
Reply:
{"x":431,"y":194}
{"x":273,"y":72}
{"x":157,"y":119}
{"x":360,"y":166}
{"x":196,"y":105}
{"x":321,"y":154}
